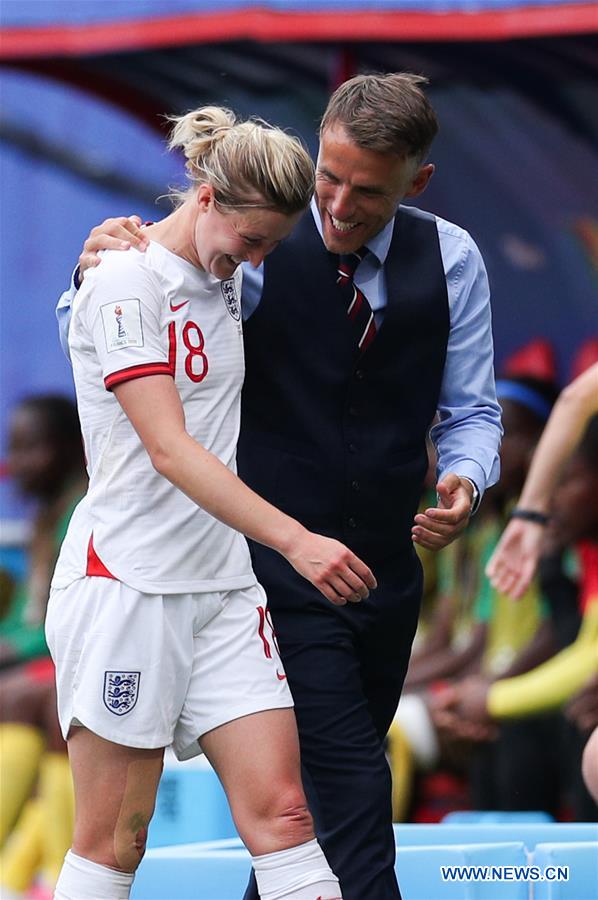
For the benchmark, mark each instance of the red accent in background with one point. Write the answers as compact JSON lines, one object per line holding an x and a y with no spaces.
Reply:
{"x":95,"y":566}
{"x":437,"y":794}
{"x":40,"y":670}
{"x":345,"y":68}
{"x":268,"y":26}
{"x":585,"y":357}
{"x":588,"y":554}
{"x":535,"y":360}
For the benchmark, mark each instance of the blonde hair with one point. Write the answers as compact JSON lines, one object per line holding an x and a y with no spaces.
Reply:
{"x":248,"y":164}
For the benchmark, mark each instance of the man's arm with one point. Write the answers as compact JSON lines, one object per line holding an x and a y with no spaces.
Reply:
{"x":153,"y":406}
{"x":122,"y":234}
{"x":467,"y":436}
{"x":63,"y":316}
{"x":113,"y":234}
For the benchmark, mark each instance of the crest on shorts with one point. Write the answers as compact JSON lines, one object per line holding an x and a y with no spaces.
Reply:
{"x":121,"y":690}
{"x":229,"y":292}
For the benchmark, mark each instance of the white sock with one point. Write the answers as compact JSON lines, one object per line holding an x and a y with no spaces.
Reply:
{"x":82,"y":879}
{"x":300,"y":873}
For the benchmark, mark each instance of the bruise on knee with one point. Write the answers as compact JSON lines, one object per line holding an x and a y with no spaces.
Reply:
{"x":297,"y":815}
{"x":296,"y":823}
{"x":137,"y":807}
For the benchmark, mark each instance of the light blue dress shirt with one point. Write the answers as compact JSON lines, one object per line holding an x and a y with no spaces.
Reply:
{"x":467,"y":434}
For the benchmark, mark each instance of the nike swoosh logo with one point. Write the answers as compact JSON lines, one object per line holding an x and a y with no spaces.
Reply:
{"x":178,"y":306}
{"x":280,"y":677}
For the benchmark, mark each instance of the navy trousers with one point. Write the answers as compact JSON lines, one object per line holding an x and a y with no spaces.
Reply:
{"x":346,"y":667}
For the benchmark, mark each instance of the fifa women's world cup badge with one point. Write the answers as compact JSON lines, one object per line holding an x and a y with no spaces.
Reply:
{"x":229,"y":292}
{"x":118,"y":312}
{"x":122,"y":323}
{"x":121,"y":690}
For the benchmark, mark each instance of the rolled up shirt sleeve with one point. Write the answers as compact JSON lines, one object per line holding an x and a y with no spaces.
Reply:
{"x":467,"y":435}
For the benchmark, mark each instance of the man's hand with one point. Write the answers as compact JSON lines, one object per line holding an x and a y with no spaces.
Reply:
{"x":113,"y":234}
{"x":438,"y":526}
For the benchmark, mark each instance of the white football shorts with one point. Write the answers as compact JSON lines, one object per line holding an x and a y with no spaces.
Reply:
{"x":151,"y":670}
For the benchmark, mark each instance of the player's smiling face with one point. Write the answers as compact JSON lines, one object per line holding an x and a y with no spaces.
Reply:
{"x":358,"y":190}
{"x":226,"y":238}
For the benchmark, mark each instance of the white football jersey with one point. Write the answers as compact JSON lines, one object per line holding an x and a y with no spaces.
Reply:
{"x":142,"y":314}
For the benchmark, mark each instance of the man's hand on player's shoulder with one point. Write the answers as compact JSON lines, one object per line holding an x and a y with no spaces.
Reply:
{"x":119,"y":233}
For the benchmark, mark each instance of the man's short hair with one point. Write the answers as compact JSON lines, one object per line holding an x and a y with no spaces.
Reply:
{"x":386,"y":113}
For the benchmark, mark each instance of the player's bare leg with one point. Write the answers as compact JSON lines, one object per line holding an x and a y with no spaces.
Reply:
{"x":115,"y":794}
{"x":257,"y":760}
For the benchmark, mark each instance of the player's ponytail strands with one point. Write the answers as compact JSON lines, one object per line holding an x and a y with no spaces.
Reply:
{"x":248,"y":164}
{"x":196,"y":132}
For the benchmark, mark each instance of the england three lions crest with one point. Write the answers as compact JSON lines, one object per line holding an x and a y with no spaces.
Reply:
{"x":229,"y":292}
{"x":121,"y":690}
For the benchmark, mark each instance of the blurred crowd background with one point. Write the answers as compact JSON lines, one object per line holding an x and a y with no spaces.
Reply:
{"x":85,"y":84}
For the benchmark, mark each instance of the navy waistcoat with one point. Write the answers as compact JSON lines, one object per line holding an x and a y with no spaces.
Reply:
{"x":334,"y":438}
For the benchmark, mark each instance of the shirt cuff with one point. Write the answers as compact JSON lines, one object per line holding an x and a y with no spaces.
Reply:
{"x":476,"y":497}
{"x":473,"y":471}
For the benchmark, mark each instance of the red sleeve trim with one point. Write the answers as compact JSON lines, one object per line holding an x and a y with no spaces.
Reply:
{"x":266,"y":25}
{"x":133,"y":372}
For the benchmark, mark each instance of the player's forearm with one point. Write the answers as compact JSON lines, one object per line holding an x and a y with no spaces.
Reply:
{"x":153,"y":406}
{"x":210,"y":484}
{"x":565,"y":427}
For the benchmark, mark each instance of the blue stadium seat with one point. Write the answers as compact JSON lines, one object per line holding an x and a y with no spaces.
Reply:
{"x":478,"y":817}
{"x":582,"y":862}
{"x":420,"y":874}
{"x":214,"y":870}
{"x":218,"y":870}
{"x":191,"y":806}
{"x":530,"y":834}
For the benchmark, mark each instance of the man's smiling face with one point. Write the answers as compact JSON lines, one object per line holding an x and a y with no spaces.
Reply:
{"x":358,"y":190}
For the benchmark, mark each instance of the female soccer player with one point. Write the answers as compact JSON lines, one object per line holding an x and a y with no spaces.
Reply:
{"x":158,"y":628}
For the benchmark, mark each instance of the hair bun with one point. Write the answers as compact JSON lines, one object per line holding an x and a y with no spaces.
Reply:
{"x":197,"y":131}
{"x":247,"y":164}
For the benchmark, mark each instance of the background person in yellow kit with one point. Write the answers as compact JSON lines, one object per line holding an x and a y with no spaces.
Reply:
{"x":571,"y":498}
{"x":45,"y":459}
{"x":483,"y":632}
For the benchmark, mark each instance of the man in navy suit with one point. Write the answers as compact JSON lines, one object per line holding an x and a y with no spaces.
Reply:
{"x":370,"y":322}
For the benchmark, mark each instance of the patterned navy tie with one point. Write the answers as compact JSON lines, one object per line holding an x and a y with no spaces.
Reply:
{"x":358,"y":308}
